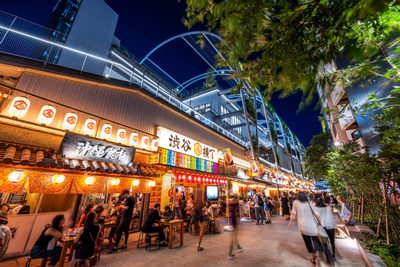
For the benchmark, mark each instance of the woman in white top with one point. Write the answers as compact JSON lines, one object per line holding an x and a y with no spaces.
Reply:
{"x":329,"y":223}
{"x":307,"y":224}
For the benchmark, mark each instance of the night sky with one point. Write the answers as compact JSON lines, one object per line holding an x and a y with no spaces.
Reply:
{"x":144,"y":24}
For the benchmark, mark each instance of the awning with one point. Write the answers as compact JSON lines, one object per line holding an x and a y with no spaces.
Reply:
{"x":27,"y":156}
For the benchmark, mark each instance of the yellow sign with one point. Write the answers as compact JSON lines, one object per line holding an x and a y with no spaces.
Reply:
{"x":168,"y":187}
{"x":154,"y":158}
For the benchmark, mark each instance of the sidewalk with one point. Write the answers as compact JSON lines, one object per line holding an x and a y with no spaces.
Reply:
{"x":267,"y":245}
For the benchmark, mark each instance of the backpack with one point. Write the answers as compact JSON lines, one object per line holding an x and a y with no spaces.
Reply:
{"x":260,"y":202}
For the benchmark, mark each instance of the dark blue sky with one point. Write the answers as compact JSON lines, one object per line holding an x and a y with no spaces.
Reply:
{"x":144,"y":24}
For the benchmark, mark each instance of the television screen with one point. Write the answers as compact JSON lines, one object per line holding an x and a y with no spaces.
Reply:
{"x":211,"y":192}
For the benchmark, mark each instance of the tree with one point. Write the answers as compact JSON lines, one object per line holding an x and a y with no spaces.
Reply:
{"x":315,"y":158}
{"x":283,"y":45}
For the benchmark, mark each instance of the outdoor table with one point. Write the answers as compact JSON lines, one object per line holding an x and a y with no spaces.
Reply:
{"x":171,"y":225}
{"x":68,"y":242}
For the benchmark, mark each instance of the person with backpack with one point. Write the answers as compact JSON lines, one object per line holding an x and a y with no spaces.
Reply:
{"x":258,"y":207}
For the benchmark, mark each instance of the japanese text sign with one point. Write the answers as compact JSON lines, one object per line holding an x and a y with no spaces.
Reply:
{"x":75,"y":146}
{"x":179,"y":143}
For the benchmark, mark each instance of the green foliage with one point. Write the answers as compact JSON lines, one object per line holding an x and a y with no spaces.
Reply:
{"x":251,"y":110}
{"x":210,"y":80}
{"x":281,"y":45}
{"x":315,"y":158}
{"x":389,"y":254}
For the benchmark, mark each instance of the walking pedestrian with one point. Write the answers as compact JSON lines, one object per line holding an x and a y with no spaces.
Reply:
{"x":285,"y":206}
{"x":329,"y":224}
{"x":258,"y":207}
{"x":127,"y":207}
{"x":266,"y":210}
{"x":204,"y":220}
{"x":5,"y":233}
{"x":233,"y":214}
{"x":307,"y":224}
{"x":346,"y":215}
{"x":85,"y":240}
{"x":46,"y":245}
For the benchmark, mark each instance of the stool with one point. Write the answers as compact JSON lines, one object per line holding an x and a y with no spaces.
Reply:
{"x":150,"y":237}
{"x":142,"y":236}
{"x":43,"y":264}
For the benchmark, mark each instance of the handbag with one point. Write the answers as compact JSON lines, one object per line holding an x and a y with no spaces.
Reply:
{"x":322,"y":235}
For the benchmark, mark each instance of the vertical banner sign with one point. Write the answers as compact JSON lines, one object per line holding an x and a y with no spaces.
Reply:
{"x":168,"y":190}
{"x":254,"y":168}
{"x":228,"y":157}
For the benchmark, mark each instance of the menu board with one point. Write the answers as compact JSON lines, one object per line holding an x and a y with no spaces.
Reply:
{"x":176,"y":159}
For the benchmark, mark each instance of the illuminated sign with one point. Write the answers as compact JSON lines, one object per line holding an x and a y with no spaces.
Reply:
{"x":75,"y":146}
{"x":179,"y":143}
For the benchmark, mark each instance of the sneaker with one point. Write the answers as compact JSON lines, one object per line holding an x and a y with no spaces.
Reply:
{"x":123,"y":247}
{"x":333,"y":259}
{"x":240,"y":250}
{"x":113,"y":251}
{"x":231,"y":256}
{"x":257,"y":223}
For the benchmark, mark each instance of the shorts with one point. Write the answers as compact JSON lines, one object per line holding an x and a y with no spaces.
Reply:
{"x":266,"y":208}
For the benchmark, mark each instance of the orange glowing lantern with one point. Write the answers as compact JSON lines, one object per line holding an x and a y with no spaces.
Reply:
{"x":15,"y":176}
{"x":89,"y":127}
{"x":115,"y":181}
{"x":70,"y":121}
{"x":145,"y":142}
{"x":135,"y":182}
{"x":154,"y":145}
{"x":19,"y":107}
{"x":58,"y":178}
{"x":106,"y":131}
{"x":47,"y":114}
{"x":89,"y":180}
{"x":133,"y":139}
{"x":121,"y":135}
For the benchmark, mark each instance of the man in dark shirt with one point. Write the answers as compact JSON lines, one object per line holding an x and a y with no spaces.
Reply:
{"x":125,"y":222}
{"x":148,"y":226}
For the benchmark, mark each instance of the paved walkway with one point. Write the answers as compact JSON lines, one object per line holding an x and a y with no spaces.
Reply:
{"x":267,"y":245}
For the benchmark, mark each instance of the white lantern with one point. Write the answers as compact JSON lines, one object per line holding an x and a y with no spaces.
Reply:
{"x":133,"y":139}
{"x":89,"y":127}
{"x":121,"y":135}
{"x":154,"y":145}
{"x":115,"y":181}
{"x":58,"y":178}
{"x":19,"y":106}
{"x":89,"y":180}
{"x":70,"y":121}
{"x":15,"y":176}
{"x":106,"y":131}
{"x":145,"y":142}
{"x":135,"y":182}
{"x":47,"y":114}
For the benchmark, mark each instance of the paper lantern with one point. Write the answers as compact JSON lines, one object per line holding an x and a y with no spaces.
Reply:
{"x":15,"y":176}
{"x":145,"y":142}
{"x":58,"y":178}
{"x":19,"y":107}
{"x":89,"y":127}
{"x":106,"y":131}
{"x":115,"y":181}
{"x":183,"y":177}
{"x":135,"y":182}
{"x":70,"y":121}
{"x":133,"y":139}
{"x":189,"y":178}
{"x":152,"y":183}
{"x":179,"y":176}
{"x":121,"y":135}
{"x":47,"y":114}
{"x":89,"y":180}
{"x":154,"y":145}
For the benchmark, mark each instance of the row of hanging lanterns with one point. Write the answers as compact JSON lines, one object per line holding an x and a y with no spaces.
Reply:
{"x":20,"y":105}
{"x":199,"y":179}
{"x":17,"y":176}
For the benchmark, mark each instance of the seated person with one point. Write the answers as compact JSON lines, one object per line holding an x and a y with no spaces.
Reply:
{"x":46,"y":245}
{"x":152,"y":218}
{"x":168,"y":214}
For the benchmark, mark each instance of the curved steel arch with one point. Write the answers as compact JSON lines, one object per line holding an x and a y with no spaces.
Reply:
{"x":182,"y":86}
{"x":176,"y":37}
